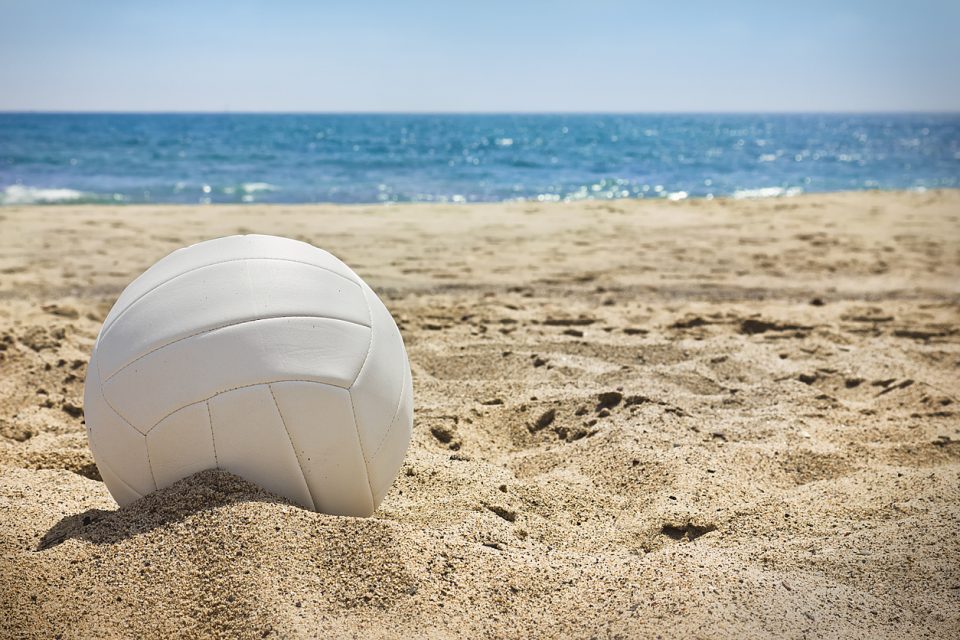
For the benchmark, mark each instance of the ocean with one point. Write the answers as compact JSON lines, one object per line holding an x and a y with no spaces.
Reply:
{"x":369,"y":158}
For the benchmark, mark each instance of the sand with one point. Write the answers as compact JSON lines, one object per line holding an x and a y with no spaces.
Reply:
{"x":724,"y":419}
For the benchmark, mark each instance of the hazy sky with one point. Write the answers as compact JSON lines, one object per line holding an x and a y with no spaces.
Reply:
{"x":598,"y":55}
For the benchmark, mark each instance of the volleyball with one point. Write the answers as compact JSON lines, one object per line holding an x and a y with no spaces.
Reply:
{"x":262,"y":356}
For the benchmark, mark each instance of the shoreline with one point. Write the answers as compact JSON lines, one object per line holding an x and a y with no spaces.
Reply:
{"x":785,"y":194}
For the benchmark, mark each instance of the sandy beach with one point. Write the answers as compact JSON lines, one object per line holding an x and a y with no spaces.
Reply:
{"x":697,"y":419}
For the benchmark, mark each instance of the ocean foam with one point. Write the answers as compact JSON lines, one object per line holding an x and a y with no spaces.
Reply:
{"x":766,"y":192}
{"x":20,"y":194}
{"x":254,"y":187}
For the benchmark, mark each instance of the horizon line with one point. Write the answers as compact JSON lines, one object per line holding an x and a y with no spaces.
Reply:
{"x":481,"y":112}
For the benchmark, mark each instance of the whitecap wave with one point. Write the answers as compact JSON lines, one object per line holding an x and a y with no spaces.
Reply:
{"x":21,"y":194}
{"x":254,"y":187}
{"x":766,"y":192}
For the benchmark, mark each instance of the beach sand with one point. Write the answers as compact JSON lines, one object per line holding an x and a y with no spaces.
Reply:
{"x":720,"y":418}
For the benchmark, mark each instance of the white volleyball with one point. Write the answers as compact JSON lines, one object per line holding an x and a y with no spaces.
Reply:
{"x":262,"y":356}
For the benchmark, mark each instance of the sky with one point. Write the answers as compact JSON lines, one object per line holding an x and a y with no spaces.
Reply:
{"x":488,"y":56}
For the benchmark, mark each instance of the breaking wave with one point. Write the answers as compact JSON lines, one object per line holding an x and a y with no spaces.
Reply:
{"x":766,"y":192}
{"x":22,"y":194}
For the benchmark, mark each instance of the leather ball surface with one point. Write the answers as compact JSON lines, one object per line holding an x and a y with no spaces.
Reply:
{"x":262,"y":356}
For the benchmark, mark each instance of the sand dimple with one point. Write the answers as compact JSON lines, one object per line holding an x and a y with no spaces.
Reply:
{"x":741,"y":427}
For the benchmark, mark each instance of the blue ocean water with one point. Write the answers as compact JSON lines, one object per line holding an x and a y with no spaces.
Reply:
{"x":454,"y":158}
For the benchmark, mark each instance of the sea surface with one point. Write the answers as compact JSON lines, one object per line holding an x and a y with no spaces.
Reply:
{"x":363,"y":158}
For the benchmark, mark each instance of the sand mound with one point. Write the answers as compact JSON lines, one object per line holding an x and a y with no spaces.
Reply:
{"x":724,"y":419}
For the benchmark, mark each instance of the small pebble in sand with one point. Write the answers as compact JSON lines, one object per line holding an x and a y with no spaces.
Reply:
{"x":503,"y":512}
{"x":545,"y":420}
{"x":71,"y":409}
{"x":609,"y":399}
{"x":442,"y":433}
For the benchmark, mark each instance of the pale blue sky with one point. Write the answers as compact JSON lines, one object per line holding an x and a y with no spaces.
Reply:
{"x":601,"y":55}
